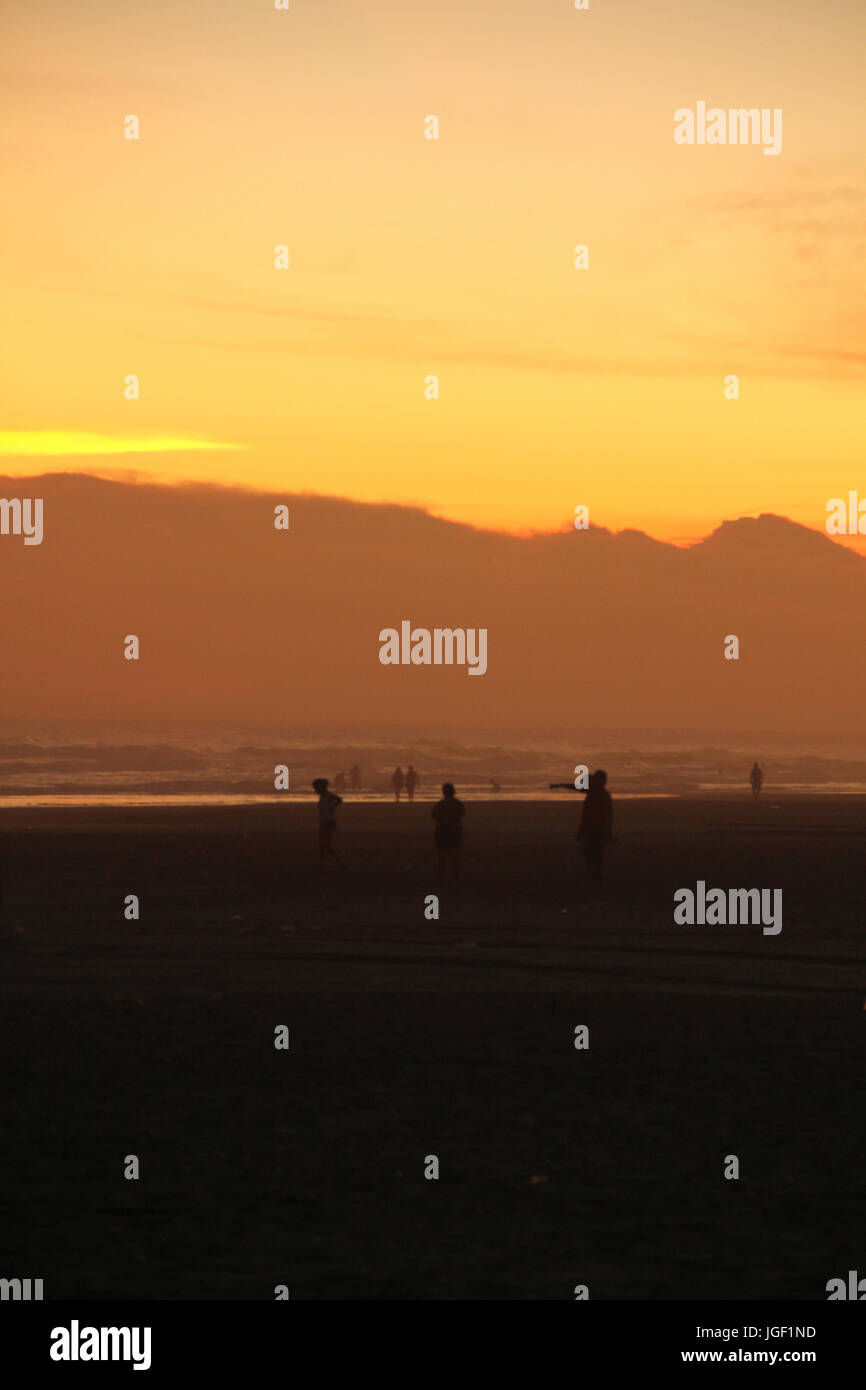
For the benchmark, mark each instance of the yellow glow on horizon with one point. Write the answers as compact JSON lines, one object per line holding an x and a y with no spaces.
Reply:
{"x":73,"y":443}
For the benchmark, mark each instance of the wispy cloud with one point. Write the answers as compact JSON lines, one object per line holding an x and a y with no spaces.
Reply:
{"x":63,"y":443}
{"x":833,"y":211}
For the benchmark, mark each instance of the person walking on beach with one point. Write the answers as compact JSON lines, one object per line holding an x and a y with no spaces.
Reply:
{"x":328,"y":804}
{"x":412,"y":781}
{"x":756,"y":777}
{"x":355,"y":778}
{"x":448,"y":815}
{"x":397,"y":782}
{"x":596,"y":824}
{"x":340,"y":782}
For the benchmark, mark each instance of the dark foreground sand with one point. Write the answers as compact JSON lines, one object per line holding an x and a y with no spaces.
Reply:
{"x":411,"y":1038}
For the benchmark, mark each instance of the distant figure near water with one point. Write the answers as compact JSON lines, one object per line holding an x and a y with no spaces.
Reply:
{"x":397,"y":782}
{"x":756,"y":777}
{"x":448,"y":815}
{"x":340,"y":782}
{"x":596,"y":824}
{"x":328,"y":804}
{"x":355,"y":778}
{"x":412,"y":782}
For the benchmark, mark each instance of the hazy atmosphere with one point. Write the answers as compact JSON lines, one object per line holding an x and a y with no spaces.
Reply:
{"x":432,"y":747}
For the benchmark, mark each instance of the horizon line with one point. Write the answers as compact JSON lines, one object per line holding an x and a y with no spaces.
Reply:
{"x":134,"y":479}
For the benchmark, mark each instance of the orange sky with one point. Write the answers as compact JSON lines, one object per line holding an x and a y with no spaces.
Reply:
{"x":454,"y":257}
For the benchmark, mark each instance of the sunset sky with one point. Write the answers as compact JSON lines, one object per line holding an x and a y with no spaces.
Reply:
{"x":411,"y":257}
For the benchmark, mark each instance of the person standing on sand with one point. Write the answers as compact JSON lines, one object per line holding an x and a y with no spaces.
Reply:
{"x":355,"y":778}
{"x":756,"y":777}
{"x":328,"y":804}
{"x":596,"y":824}
{"x":412,"y":781}
{"x":448,"y":815}
{"x":397,"y":782}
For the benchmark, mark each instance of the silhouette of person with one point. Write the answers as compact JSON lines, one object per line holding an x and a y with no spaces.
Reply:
{"x":596,"y":824}
{"x":448,"y":837}
{"x":412,"y":781}
{"x":355,"y":778}
{"x":756,"y":777}
{"x":328,"y":804}
{"x":340,"y":782}
{"x":397,"y":782}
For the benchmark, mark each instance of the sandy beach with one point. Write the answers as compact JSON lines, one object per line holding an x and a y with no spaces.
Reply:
{"x":411,"y":1037}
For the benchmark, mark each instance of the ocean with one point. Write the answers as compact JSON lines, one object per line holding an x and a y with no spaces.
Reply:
{"x":60,"y":762}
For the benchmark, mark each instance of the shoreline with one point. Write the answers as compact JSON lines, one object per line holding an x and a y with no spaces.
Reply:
{"x":92,"y":800}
